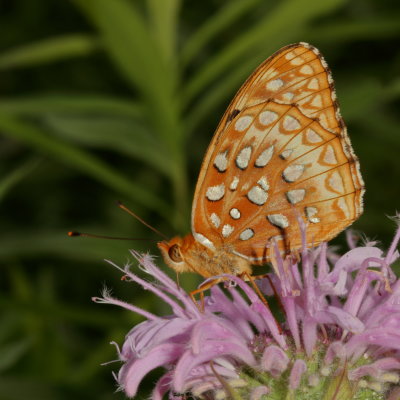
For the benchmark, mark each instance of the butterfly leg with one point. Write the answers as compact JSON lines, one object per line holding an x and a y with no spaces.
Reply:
{"x":200,"y":291}
{"x":177,"y":280}
{"x":267,"y":276}
{"x":206,"y":286}
{"x":247,"y":277}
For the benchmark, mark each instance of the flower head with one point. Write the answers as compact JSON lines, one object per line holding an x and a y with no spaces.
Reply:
{"x":335,"y":333}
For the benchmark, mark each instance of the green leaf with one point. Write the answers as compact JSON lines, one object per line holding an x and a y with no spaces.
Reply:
{"x":43,"y":104}
{"x":133,"y":50}
{"x":80,"y":160}
{"x":16,"y":176}
{"x":127,"y":40}
{"x":214,"y":25}
{"x":49,"y":50}
{"x":269,"y":33}
{"x":124,"y":135}
{"x":164,"y":23}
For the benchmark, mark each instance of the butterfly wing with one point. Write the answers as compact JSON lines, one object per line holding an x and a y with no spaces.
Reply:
{"x":281,"y":150}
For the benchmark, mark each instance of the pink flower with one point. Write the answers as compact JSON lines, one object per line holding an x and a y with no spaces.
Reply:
{"x":340,"y":331}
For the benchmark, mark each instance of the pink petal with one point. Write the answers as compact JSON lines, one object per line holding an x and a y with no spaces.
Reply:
{"x":133,"y":372}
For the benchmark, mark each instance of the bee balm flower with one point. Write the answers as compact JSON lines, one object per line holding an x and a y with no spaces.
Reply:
{"x":338,"y":335}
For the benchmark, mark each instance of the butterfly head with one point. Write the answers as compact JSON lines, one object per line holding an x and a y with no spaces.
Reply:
{"x":173,"y":252}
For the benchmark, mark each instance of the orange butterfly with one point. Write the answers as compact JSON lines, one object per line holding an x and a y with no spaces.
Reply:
{"x":281,"y":150}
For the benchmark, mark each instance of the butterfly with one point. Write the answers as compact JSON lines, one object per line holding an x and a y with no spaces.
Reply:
{"x":280,"y":151}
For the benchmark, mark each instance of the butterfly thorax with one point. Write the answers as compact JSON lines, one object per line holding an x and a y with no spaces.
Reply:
{"x":188,"y":255}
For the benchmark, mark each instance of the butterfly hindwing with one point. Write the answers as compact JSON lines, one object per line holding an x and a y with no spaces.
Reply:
{"x":281,"y":151}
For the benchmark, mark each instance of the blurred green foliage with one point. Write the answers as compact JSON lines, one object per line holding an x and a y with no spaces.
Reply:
{"x":117,"y":99}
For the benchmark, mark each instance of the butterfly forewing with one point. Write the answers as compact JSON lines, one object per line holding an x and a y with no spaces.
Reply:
{"x":281,"y":151}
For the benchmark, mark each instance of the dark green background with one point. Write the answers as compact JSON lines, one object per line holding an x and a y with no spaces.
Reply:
{"x":115,"y":99}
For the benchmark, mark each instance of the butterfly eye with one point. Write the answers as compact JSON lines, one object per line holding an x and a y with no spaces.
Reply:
{"x":175,"y":254}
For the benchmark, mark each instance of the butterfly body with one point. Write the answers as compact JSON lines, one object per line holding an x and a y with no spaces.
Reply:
{"x":281,"y":152}
{"x":188,"y":255}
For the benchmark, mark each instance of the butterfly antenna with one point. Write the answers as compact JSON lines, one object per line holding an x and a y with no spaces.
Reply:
{"x":130,"y":212}
{"x":91,"y":235}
